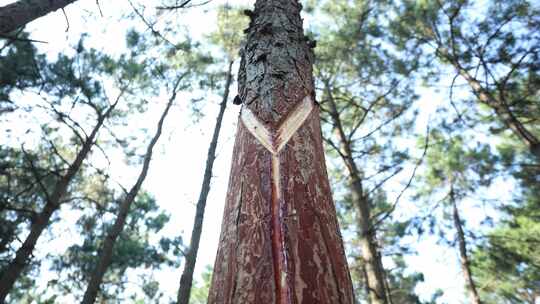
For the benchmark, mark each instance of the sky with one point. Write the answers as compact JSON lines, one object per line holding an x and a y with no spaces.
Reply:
{"x":176,"y":171}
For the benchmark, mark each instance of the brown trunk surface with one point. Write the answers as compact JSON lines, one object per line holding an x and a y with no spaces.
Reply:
{"x":464,"y":258}
{"x":186,"y":280}
{"x":14,"y":269}
{"x":105,"y":255}
{"x":17,"y":14}
{"x":280,"y":241}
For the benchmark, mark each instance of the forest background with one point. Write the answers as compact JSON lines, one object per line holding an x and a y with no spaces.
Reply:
{"x":417,"y":85}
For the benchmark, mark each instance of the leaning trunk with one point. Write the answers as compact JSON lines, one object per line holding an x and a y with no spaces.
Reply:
{"x":106,"y":252}
{"x":504,"y":113}
{"x":374,"y":272}
{"x":22,"y":256}
{"x":280,"y":241}
{"x":17,"y":14}
{"x":464,"y":258}
{"x":370,"y":253}
{"x":191,"y":257}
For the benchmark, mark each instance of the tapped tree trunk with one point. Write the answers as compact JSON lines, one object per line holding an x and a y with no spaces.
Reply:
{"x":462,"y":246}
{"x":280,"y":241}
{"x":186,"y":280}
{"x":17,"y":14}
{"x":374,"y":272}
{"x":105,"y":255}
{"x":53,"y":202}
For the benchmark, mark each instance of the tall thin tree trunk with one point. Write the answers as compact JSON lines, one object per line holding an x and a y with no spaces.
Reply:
{"x":280,"y":241}
{"x":105,"y":255}
{"x":367,"y":237}
{"x":41,"y":221}
{"x":186,"y":280}
{"x":462,"y":246}
{"x":17,"y":14}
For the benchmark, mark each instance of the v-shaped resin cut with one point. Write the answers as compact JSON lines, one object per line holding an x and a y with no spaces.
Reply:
{"x":275,"y":141}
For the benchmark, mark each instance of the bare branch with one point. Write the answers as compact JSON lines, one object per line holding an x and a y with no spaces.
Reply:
{"x":67,"y":20}
{"x":386,"y":214}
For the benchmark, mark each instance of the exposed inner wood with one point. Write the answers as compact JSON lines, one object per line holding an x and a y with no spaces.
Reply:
{"x":257,"y":129}
{"x":294,"y":120}
{"x":278,"y":241}
{"x":275,"y":141}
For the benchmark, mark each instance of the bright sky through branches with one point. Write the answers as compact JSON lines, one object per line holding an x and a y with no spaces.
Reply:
{"x":176,"y":172}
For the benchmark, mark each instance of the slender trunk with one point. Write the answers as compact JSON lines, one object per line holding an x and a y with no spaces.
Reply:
{"x":186,"y":279}
{"x":504,"y":113}
{"x":41,"y":221}
{"x":366,"y":287}
{"x":280,"y":241}
{"x":17,"y":14}
{"x":370,"y":254}
{"x":464,"y":258}
{"x":106,"y":252}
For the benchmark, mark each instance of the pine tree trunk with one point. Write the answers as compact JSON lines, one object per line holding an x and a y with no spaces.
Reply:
{"x":17,"y":14}
{"x":370,"y":254}
{"x":41,"y":222}
{"x":105,"y":255}
{"x":280,"y":241}
{"x":464,"y":258}
{"x":186,"y":279}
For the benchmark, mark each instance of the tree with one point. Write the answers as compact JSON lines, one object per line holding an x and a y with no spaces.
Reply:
{"x":280,"y":239}
{"x":20,"y":197}
{"x":365,"y":98}
{"x":506,"y":263}
{"x":19,"y":69}
{"x":455,"y":172}
{"x":64,"y":81}
{"x":106,"y":252}
{"x":229,"y":39}
{"x":495,"y":51}
{"x":135,"y":251}
{"x":19,"y":13}
{"x":199,"y":291}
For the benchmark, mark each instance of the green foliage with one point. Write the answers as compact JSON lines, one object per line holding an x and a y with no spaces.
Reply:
{"x":507,"y":264}
{"x":369,"y":57}
{"x":369,"y":82}
{"x":19,"y":69}
{"x":230,"y":23}
{"x":135,"y":249}
{"x":199,"y":290}
{"x":492,"y":48}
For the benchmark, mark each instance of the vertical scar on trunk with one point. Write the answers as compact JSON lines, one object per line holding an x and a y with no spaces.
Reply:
{"x":274,"y":142}
{"x":278,"y":239}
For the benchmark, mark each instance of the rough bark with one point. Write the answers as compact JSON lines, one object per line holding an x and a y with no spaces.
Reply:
{"x":105,"y":255}
{"x":464,"y":258}
{"x":280,"y":240}
{"x":186,"y":279}
{"x":14,"y":269}
{"x":374,"y":271}
{"x":17,"y":14}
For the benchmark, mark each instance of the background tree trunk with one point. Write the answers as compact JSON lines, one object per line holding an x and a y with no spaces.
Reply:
{"x":280,"y":240}
{"x":367,"y":237}
{"x":186,"y":279}
{"x":17,"y":14}
{"x":106,"y":253}
{"x":14,"y":269}
{"x":464,"y":258}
